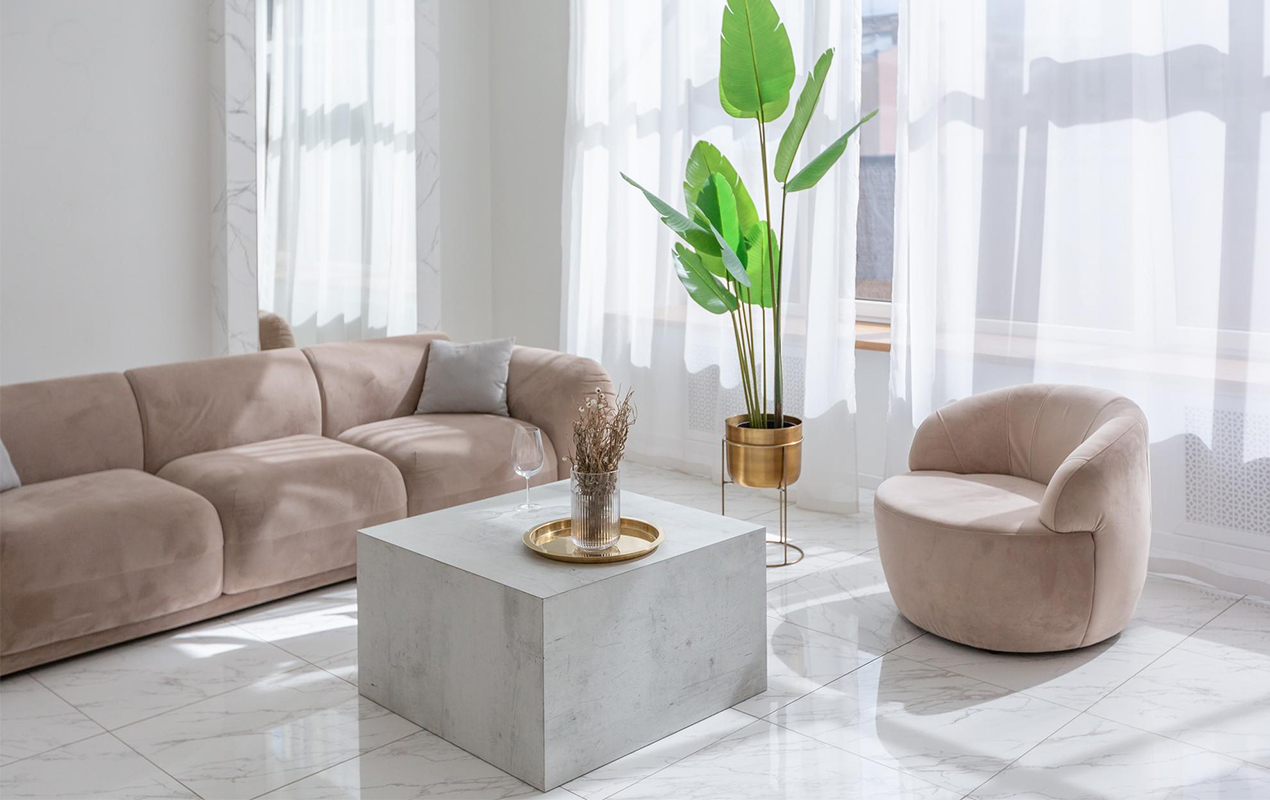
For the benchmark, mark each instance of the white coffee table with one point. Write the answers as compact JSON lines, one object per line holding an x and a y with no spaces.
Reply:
{"x":545,"y":669}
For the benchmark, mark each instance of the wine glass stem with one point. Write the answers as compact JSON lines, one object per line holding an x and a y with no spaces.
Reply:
{"x":526,"y":490}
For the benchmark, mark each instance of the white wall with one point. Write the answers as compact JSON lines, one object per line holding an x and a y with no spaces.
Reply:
{"x":466,"y":223}
{"x":872,"y":376}
{"x":529,"y":90}
{"x":103,"y":186}
{"x":503,"y":92}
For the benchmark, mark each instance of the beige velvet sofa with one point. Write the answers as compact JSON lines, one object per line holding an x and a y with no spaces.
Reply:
{"x":171,"y":494}
{"x":1025,"y":523}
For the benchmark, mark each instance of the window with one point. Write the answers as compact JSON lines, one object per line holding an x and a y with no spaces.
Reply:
{"x":876,"y":215}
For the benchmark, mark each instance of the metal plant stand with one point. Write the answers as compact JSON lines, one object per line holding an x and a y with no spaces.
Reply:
{"x":782,"y":539}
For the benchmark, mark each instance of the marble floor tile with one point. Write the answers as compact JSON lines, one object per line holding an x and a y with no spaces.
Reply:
{"x":649,"y":480}
{"x":1219,"y":705}
{"x":343,"y":666}
{"x":1240,"y":635}
{"x":825,"y":534}
{"x":1168,"y":611}
{"x":809,"y":565}
{"x":33,"y":720}
{"x":831,"y":536}
{"x":1095,"y":758}
{"x":249,"y":741}
{"x":742,"y":502}
{"x":765,"y":761}
{"x":945,"y":728}
{"x":1075,"y":678}
{"x":121,"y":685}
{"x":849,"y":600}
{"x":314,"y":626}
{"x":99,"y":767}
{"x":1180,"y":606}
{"x":617,"y":775}
{"x":800,"y":661}
{"x":420,"y":765}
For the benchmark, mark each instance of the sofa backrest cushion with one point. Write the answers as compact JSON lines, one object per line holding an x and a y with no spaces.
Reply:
{"x":199,"y":406}
{"x":370,"y":380}
{"x":70,"y":426}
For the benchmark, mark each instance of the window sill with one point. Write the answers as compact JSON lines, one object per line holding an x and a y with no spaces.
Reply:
{"x":874,"y":336}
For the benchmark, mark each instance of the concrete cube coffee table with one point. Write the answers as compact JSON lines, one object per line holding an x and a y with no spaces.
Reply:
{"x":546,"y":669}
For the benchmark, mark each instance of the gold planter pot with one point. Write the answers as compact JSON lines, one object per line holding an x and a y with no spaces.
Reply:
{"x":764,"y":458}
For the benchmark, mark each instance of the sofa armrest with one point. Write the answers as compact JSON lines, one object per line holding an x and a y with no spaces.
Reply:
{"x":545,"y":388}
{"x":1105,"y":482}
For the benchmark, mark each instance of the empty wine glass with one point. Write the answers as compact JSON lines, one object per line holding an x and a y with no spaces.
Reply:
{"x":527,"y":458}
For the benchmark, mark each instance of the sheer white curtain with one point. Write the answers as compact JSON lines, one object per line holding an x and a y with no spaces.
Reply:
{"x":338,"y":228}
{"x":643,"y":90}
{"x":1082,"y":197}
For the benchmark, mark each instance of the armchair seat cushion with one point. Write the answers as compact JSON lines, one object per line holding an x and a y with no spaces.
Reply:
{"x":291,"y":507}
{"x":1001,"y":504}
{"x":96,"y":551}
{"x":450,"y":459}
{"x":966,"y":557}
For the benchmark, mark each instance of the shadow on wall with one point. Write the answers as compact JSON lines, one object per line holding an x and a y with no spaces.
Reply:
{"x":339,"y":328}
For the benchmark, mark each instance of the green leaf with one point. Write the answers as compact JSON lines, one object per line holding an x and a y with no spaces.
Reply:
{"x":756,"y":266}
{"x":713,"y":263}
{"x":731,"y":261}
{"x":803,"y":110}
{"x":705,"y":159}
{"x":718,"y":205}
{"x":704,"y":243}
{"x":702,"y":287}
{"x":691,"y":232}
{"x":756,"y":61}
{"x":811,"y":174}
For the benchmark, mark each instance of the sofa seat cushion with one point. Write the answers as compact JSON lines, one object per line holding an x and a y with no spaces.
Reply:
{"x":450,"y":459}
{"x":96,"y":551}
{"x":967,"y":558}
{"x":291,"y":507}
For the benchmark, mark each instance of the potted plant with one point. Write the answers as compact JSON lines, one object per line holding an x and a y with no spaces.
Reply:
{"x":730,"y":257}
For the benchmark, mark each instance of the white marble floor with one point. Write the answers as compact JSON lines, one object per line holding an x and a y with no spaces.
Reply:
{"x":263,"y":703}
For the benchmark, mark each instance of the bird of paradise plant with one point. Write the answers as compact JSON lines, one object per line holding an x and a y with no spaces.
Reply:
{"x":730,"y":259}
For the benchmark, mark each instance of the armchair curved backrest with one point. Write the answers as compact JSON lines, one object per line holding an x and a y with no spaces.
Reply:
{"x":1026,"y":431}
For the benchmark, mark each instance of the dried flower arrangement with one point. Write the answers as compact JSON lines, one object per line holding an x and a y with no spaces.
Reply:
{"x":599,"y":442}
{"x":600,"y":431}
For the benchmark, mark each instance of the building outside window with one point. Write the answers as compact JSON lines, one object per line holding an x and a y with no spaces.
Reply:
{"x":876,"y":231}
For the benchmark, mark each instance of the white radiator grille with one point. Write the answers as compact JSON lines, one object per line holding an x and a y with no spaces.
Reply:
{"x":708,"y":403}
{"x":1226,"y":485}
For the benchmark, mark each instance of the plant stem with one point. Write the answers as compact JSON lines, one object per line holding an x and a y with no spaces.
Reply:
{"x":776,"y":316}
{"x":749,"y":307}
{"x":762,"y":315}
{"x":747,"y":330}
{"x":740,"y":358}
{"x":743,"y":350}
{"x":771,"y":267}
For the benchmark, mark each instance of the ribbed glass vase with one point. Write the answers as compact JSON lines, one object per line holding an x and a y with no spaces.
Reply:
{"x":596,"y":518}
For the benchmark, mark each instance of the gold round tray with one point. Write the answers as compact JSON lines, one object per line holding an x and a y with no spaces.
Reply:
{"x":551,"y":540}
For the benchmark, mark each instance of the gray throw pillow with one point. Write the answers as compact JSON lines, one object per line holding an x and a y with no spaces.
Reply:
{"x":8,"y":475}
{"x":466,"y":378}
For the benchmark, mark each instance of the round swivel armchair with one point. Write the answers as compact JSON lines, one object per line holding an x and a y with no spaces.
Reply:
{"x":1025,"y":522}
